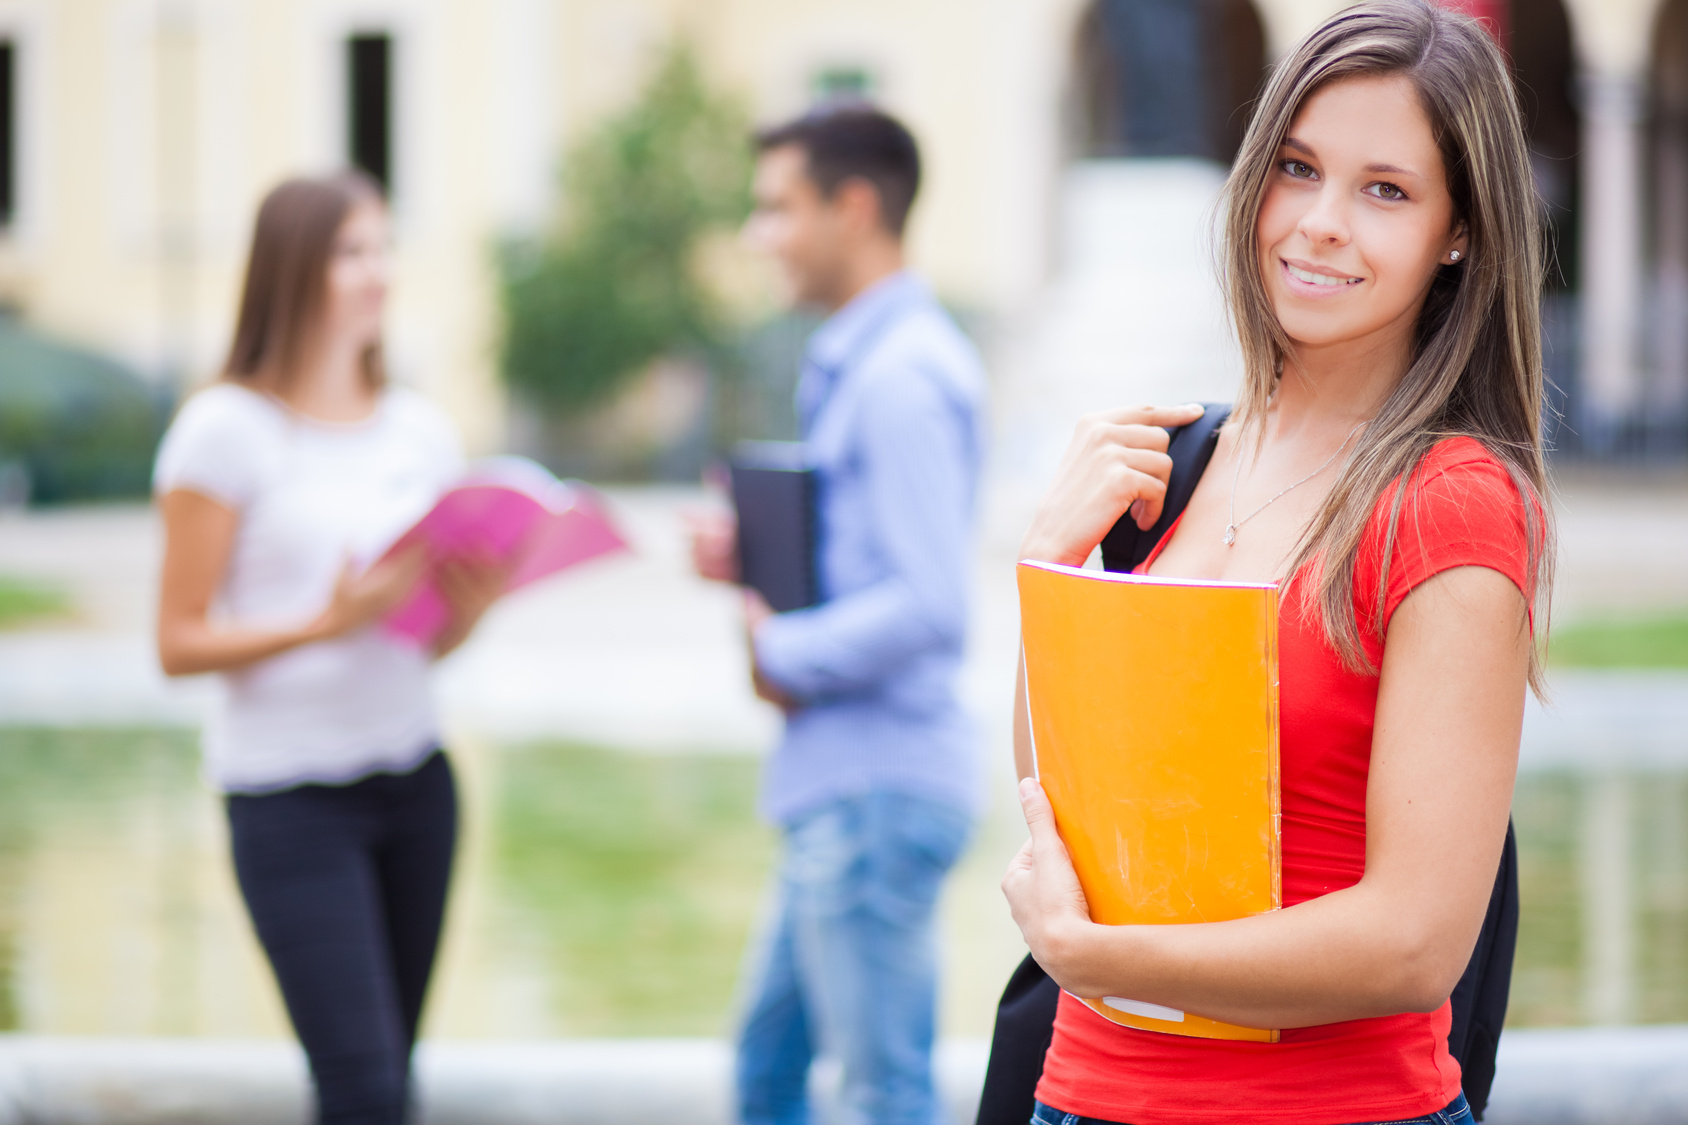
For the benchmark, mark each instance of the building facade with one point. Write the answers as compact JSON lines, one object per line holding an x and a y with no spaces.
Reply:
{"x":136,"y":137}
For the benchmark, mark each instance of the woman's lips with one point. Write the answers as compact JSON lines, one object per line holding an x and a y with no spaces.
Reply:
{"x":1311,"y":276}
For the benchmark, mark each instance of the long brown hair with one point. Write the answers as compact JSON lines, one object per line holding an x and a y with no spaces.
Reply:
{"x":281,"y":304}
{"x":1476,"y":368}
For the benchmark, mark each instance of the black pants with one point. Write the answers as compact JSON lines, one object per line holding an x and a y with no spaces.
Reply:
{"x":346,"y":885}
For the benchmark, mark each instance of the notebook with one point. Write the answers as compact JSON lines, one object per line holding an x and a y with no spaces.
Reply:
{"x":1154,"y":721}
{"x":774,"y":496}
{"x":511,"y":509}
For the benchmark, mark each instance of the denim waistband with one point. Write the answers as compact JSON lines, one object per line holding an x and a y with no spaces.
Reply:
{"x":1456,"y":1112}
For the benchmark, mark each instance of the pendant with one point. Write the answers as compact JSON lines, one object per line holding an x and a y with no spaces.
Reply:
{"x":1230,"y":534}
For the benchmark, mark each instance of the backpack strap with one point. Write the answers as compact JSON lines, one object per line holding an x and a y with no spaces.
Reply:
{"x":1191,"y":448}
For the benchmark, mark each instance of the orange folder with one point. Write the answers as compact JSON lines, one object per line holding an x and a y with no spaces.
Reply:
{"x":1154,"y":719}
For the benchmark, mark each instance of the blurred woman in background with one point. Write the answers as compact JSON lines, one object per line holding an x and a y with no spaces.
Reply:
{"x":277,"y":485}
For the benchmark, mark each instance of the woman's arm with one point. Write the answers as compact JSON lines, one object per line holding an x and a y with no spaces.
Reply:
{"x":1444,"y":754}
{"x":198,"y":538}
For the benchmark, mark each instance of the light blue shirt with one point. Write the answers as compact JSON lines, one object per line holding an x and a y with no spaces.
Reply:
{"x":891,"y":405}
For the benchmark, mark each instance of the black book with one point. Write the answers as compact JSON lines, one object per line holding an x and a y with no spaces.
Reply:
{"x":774,"y":493}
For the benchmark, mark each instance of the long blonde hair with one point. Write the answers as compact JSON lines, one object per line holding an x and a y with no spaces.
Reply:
{"x":1476,"y":368}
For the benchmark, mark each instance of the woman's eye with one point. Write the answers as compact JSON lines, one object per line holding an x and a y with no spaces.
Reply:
{"x":1298,"y":169}
{"x":1387,"y":191}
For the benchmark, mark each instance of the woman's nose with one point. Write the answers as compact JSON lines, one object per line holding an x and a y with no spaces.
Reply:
{"x":1326,"y":219}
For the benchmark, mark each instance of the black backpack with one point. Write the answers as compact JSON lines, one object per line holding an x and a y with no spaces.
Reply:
{"x":1025,"y":1017}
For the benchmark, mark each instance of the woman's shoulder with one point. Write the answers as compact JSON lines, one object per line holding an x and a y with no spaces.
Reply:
{"x":1461,"y":455}
{"x":222,"y":437}
{"x":225,"y":404}
{"x":227,"y":414}
{"x":1463,"y":507}
{"x":1461,"y":477}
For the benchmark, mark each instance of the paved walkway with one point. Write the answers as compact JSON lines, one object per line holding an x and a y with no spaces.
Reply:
{"x":636,"y":652}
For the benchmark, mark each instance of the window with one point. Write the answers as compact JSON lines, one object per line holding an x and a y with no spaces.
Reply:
{"x":8,"y":132}
{"x":369,"y":106}
{"x":842,"y":84}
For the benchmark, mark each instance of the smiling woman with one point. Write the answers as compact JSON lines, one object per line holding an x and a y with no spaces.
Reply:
{"x":1382,"y":265}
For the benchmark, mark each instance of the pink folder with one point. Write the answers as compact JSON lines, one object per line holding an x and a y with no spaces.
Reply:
{"x":510,"y":509}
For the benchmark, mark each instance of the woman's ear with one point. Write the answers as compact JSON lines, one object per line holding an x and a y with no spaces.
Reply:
{"x":1458,"y":248}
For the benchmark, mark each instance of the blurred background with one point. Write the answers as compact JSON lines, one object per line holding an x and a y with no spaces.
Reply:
{"x":567,"y":178}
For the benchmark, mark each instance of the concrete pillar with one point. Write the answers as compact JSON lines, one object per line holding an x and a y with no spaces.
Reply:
{"x":1668,"y":394}
{"x":1608,"y":901}
{"x":1611,"y":255}
{"x":176,"y":97}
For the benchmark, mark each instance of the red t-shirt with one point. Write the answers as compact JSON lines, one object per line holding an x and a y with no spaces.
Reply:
{"x":1464,"y":511}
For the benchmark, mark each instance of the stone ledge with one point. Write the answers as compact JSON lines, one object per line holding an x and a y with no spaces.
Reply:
{"x":1592,"y":1076}
{"x":74,"y":1081}
{"x":1581,"y":1076}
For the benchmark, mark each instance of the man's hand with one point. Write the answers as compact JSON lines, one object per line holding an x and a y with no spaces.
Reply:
{"x":714,"y":537}
{"x":756,"y":611}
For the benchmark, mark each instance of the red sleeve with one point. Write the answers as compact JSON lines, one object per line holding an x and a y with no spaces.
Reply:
{"x":1462,"y":509}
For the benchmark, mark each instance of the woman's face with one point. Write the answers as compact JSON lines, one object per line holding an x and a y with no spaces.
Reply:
{"x":1357,"y":215}
{"x":358,"y":269}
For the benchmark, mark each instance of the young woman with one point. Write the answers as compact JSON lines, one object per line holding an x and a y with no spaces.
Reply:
{"x":1382,"y":262}
{"x":276,"y":484}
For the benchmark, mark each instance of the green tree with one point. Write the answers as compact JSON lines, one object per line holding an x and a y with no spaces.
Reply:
{"x":615,"y":284}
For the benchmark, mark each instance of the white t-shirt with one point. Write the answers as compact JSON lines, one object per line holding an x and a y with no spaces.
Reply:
{"x":310,"y":496}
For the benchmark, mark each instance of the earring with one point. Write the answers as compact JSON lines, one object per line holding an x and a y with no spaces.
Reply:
{"x":1453,"y":255}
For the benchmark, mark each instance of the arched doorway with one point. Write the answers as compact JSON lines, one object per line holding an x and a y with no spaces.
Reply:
{"x":1157,"y":94}
{"x":1537,"y":37}
{"x":1667,"y":152}
{"x":1165,"y":77}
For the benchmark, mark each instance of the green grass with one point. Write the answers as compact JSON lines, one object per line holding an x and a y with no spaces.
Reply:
{"x":83,"y":779}
{"x":640,"y":878}
{"x":24,"y":601}
{"x":633,"y":880}
{"x":1549,"y":978}
{"x":1547,"y":972}
{"x":1658,"y":641}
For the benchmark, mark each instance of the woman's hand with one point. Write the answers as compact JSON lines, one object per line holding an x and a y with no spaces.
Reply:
{"x":199,"y":536}
{"x":361,"y":598}
{"x":1043,"y":891}
{"x":1116,"y":460}
{"x":470,"y":585}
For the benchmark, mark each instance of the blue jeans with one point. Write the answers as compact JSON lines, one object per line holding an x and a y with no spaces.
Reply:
{"x":847,"y":965}
{"x":1455,"y":1112}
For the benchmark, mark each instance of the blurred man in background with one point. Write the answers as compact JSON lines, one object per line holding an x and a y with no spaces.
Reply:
{"x":874,"y":782}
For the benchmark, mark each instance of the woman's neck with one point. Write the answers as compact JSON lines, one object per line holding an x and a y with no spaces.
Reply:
{"x":330,"y":386}
{"x":1336,"y":386}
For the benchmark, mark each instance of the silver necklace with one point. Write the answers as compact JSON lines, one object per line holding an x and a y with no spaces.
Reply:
{"x":1236,"y":475}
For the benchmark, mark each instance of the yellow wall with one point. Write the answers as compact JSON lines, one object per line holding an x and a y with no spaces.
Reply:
{"x":152,"y":127}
